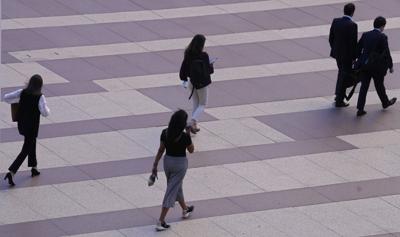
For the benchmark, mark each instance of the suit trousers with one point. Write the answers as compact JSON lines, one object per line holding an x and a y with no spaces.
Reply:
{"x":28,"y":149}
{"x":344,"y":72}
{"x":379,"y":86}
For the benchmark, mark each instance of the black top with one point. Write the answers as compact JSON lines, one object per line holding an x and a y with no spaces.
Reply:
{"x":377,"y":41}
{"x":176,"y":148}
{"x":343,"y":39}
{"x":29,"y":114}
{"x":185,"y":67}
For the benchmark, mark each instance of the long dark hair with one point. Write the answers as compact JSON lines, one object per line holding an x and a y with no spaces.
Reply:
{"x":176,"y":125}
{"x":195,"y":47}
{"x":35,"y":85}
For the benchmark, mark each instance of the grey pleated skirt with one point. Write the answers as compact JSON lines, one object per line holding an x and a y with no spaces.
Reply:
{"x":175,"y":170}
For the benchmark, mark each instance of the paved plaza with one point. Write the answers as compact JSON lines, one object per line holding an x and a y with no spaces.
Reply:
{"x":273,"y":157}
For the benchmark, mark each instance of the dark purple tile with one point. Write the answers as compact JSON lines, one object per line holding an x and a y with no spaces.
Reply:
{"x":257,"y":54}
{"x":75,"y":69}
{"x":49,"y":7}
{"x":24,"y":39}
{"x":363,"y":11}
{"x":132,"y":31}
{"x":234,"y":23}
{"x":15,"y":9}
{"x":219,"y":157}
{"x":48,"y":177}
{"x":73,"y":88}
{"x":151,"y":63}
{"x":288,"y":49}
{"x":326,"y":13}
{"x":385,"y":235}
{"x":117,"y":66}
{"x":266,"y":20}
{"x":203,"y":25}
{"x":161,"y":4}
{"x":7,"y":58}
{"x":226,"y":57}
{"x":98,"y":34}
{"x":84,"y":6}
{"x":62,"y":36}
{"x":393,"y":35}
{"x":166,"y":29}
{"x":319,"y":45}
{"x":120,"y":5}
{"x":103,"y":221}
{"x":36,"y":228}
{"x":361,"y":189}
{"x":390,"y":7}
{"x":279,"y":199}
{"x":297,"y":17}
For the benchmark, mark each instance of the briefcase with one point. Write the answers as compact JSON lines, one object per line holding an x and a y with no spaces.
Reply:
{"x":14,"y":112}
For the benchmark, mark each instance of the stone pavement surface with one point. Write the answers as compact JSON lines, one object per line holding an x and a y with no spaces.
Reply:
{"x":273,"y":157}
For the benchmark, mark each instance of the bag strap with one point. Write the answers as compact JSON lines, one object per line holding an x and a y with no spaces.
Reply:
{"x":348,"y":97}
{"x":191,"y":93}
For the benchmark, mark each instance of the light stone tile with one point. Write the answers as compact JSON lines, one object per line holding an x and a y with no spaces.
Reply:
{"x":294,"y":67}
{"x":238,"y":111}
{"x":207,"y":141}
{"x":305,"y":171}
{"x":48,"y":201}
{"x":265,"y":130}
{"x":199,"y":228}
{"x":114,"y":84}
{"x":246,"y":224}
{"x":291,"y":106}
{"x":254,"y":6}
{"x":123,"y":16}
{"x":148,"y":81}
{"x":45,"y":157}
{"x":149,"y":138}
{"x":74,"y":150}
{"x":62,"y":111}
{"x":223,"y":181}
{"x":264,"y":176}
{"x":96,"y":105}
{"x":115,"y":145}
{"x":381,"y":159}
{"x":190,"y":11}
{"x":28,"y":69}
{"x":346,"y":167}
{"x":135,"y":102}
{"x":161,"y":45}
{"x":294,"y":223}
{"x":376,"y":211}
{"x":10,"y":77}
{"x":134,"y":189}
{"x":15,"y":211}
{"x":35,"y":22}
{"x":393,"y":200}
{"x":236,"y":133}
{"x":3,"y":124}
{"x":94,"y":196}
{"x":111,"y":233}
{"x":395,"y":148}
{"x":236,"y":73}
{"x":148,"y":231}
{"x":344,"y":222}
{"x":373,"y":139}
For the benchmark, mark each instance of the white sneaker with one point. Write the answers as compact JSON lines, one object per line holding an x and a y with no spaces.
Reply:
{"x":161,"y":226}
{"x":188,"y":212}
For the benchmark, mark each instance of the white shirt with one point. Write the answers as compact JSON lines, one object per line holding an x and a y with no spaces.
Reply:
{"x":348,"y":17}
{"x":13,"y":97}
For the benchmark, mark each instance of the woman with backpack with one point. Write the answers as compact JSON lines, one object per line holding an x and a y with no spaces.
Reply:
{"x":175,"y":142}
{"x":196,"y":65}
{"x":32,"y":104}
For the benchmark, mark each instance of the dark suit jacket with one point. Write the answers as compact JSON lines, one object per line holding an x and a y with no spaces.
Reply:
{"x":377,"y":41}
{"x":343,"y":39}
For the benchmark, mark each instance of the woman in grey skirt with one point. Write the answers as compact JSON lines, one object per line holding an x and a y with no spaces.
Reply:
{"x":175,"y":142}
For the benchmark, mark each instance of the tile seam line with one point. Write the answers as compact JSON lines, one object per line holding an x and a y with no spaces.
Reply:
{"x":231,"y":199}
{"x":158,"y":11}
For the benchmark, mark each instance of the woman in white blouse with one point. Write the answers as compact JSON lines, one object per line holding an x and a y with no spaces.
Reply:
{"x":32,"y":104}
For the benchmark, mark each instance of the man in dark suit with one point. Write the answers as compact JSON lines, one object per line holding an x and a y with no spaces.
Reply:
{"x":343,"y":42}
{"x":374,"y":60}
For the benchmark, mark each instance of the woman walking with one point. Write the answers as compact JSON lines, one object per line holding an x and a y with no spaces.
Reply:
{"x":32,"y":104}
{"x":175,"y":142}
{"x":196,"y":65}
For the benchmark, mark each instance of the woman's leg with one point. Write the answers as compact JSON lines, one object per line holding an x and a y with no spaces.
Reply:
{"x":202,"y":98}
{"x":32,"y":162}
{"x":26,"y":148}
{"x":163,"y":214}
{"x":195,"y":100}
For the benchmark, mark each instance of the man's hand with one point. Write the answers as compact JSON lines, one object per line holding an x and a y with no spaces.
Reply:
{"x":391,"y":70}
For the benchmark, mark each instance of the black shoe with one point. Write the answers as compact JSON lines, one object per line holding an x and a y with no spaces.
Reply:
{"x":361,"y":113}
{"x":162,"y":226}
{"x":10,"y":179}
{"x":188,"y":212}
{"x":34,"y":172}
{"x":390,"y":103}
{"x":341,"y":104}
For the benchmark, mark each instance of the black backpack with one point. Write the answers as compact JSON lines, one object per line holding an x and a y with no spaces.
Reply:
{"x":199,"y":74}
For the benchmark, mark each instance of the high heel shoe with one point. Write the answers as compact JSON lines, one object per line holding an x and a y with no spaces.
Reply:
{"x":10,"y":179}
{"x":34,"y":172}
